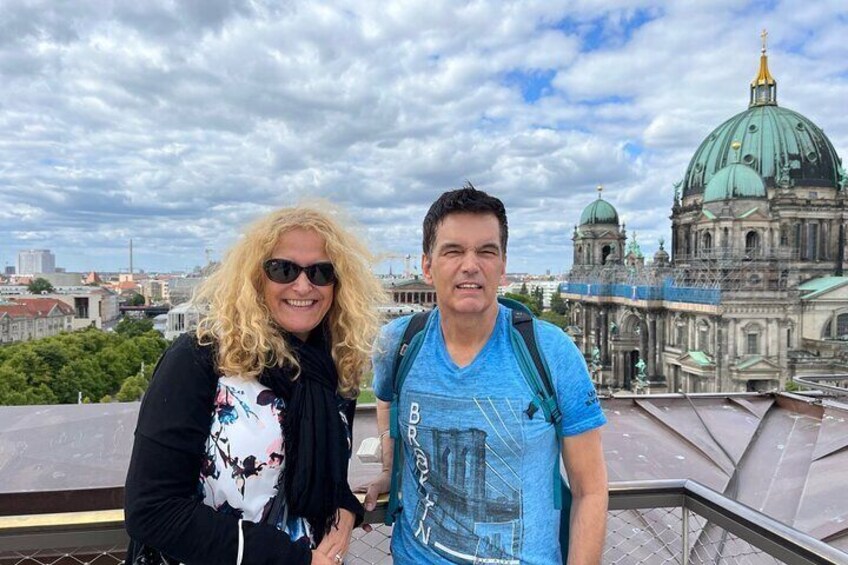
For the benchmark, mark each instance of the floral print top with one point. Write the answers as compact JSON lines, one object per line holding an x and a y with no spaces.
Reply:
{"x":245,"y":455}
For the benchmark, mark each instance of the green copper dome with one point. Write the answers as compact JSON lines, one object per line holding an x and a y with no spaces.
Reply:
{"x":783,"y":147}
{"x":735,"y":181}
{"x":599,"y":212}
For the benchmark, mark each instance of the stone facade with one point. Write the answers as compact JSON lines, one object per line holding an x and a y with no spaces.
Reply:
{"x":753,"y":292}
{"x":26,"y":319}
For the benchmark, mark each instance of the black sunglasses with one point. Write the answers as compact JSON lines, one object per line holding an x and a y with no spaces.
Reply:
{"x":283,"y":271}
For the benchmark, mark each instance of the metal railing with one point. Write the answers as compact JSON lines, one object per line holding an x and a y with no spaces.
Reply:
{"x":822,"y":383}
{"x":649,"y":522}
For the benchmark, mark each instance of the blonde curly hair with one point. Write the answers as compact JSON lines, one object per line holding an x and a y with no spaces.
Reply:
{"x":239,"y":323}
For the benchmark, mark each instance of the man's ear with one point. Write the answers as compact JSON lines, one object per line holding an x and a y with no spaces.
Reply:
{"x":426,"y":264}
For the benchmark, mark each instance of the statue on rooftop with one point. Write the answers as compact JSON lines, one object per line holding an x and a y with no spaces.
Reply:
{"x":641,"y":377}
{"x":595,"y":365}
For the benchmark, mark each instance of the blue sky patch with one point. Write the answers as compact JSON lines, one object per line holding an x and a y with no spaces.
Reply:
{"x":633,"y":150}
{"x":533,"y":84}
{"x":610,"y":30}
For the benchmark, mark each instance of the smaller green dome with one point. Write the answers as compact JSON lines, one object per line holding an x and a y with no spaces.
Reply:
{"x":735,"y":181}
{"x":599,"y":212}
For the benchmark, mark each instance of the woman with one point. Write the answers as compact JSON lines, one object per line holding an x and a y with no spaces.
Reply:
{"x":262,"y":395}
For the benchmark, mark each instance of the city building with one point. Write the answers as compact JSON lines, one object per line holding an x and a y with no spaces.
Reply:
{"x":34,"y":261}
{"x":153,"y":290}
{"x":549,"y":288}
{"x":411,"y":291}
{"x":24,"y":319}
{"x":92,"y":306}
{"x":181,"y":319}
{"x":753,"y":290}
{"x":62,"y":279}
{"x":181,"y":289}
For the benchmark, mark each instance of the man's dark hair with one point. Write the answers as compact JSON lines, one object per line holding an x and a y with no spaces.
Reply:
{"x":465,"y":200}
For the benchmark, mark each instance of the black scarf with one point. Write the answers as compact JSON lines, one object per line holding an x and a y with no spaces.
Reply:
{"x":316,"y":444}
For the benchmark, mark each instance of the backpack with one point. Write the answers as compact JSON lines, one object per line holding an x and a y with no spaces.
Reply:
{"x":536,"y":373}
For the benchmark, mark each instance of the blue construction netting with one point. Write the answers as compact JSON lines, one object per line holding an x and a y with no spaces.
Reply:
{"x":668,"y":291}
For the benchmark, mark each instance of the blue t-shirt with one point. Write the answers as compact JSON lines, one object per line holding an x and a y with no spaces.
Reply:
{"x":478,"y":473}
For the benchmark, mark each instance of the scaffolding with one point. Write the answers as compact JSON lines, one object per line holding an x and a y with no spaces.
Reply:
{"x":702,"y":278}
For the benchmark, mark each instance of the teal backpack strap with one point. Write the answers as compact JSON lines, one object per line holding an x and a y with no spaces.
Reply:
{"x":406,"y":352}
{"x":534,"y":367}
{"x":536,"y":372}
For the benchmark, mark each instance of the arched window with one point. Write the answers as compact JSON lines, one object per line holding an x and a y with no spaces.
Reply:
{"x":842,"y":326}
{"x":708,"y":242}
{"x":752,"y":242}
{"x":751,"y":334}
{"x":607,"y":249}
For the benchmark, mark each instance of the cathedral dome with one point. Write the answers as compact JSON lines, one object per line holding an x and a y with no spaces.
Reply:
{"x":783,"y":147}
{"x":599,"y":212}
{"x":735,"y":181}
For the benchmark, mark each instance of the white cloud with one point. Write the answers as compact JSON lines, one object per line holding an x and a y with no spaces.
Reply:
{"x":177,"y":123}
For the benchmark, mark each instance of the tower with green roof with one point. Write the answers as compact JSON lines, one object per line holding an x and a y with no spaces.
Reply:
{"x":599,"y":239}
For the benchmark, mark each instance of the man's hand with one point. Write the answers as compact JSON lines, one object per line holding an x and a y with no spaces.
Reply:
{"x":380,"y":485}
{"x":337,"y":540}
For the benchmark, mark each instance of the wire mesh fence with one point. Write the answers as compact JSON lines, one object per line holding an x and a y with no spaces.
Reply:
{"x":111,"y":555}
{"x":656,"y":536}
{"x":651,"y":535}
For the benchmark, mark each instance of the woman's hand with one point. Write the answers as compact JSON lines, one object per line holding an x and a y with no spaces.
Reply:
{"x":337,"y":540}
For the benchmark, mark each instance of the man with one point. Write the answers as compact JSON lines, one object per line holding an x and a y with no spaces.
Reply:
{"x":479,"y":463}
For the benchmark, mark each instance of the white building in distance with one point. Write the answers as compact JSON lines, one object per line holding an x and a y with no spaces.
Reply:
{"x":34,"y":261}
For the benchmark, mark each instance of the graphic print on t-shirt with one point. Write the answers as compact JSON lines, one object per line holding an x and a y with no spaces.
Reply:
{"x":465,"y":458}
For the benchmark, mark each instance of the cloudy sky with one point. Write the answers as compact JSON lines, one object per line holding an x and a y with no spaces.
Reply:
{"x":175,"y":123}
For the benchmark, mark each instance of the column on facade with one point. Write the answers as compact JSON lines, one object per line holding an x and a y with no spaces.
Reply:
{"x":644,"y":341}
{"x":719,"y":348}
{"x":586,"y":328}
{"x":652,"y":345}
{"x":604,"y":330}
{"x":597,"y":328}
{"x":731,"y":340}
{"x":660,"y":343}
{"x":824,"y":236}
{"x":804,"y":240}
{"x":771,"y":327}
{"x":832,"y":237}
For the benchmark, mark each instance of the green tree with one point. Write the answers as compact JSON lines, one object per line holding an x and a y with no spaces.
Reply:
{"x":136,"y":300}
{"x":539,"y":297}
{"x":523,"y":290}
{"x":133,"y":327}
{"x":16,"y":391}
{"x":132,"y":389}
{"x":26,"y":362}
{"x":39,"y":285}
{"x":82,"y":375}
{"x":526,"y":300}
{"x":53,"y":353}
{"x":558,"y":305}
{"x":556,"y":319}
